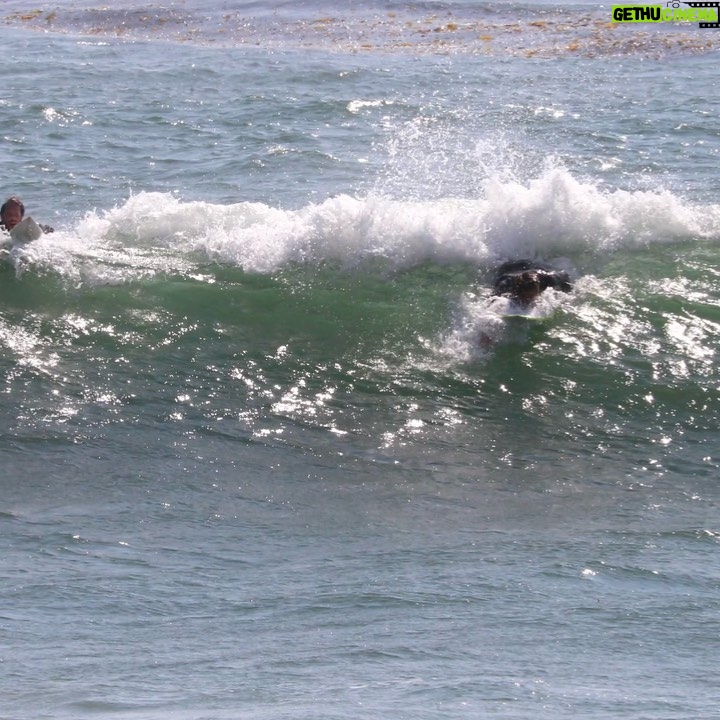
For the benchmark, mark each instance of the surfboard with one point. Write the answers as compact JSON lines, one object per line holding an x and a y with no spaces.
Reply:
{"x":508,"y":308}
{"x":26,"y":230}
{"x":523,"y":316}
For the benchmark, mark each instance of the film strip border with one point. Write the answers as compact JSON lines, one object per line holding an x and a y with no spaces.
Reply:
{"x":706,"y":5}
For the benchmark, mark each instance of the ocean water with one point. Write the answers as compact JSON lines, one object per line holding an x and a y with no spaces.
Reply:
{"x":266,"y":449}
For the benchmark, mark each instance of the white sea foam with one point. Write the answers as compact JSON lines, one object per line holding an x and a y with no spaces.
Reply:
{"x":550,"y":216}
{"x":481,"y":322}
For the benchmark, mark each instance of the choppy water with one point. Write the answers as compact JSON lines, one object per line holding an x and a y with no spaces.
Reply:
{"x":257,"y":460}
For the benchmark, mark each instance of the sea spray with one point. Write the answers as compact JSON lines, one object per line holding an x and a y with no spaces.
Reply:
{"x":551,"y":215}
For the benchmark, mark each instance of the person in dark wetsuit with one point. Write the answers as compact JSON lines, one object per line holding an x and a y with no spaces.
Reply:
{"x":525,"y":280}
{"x":12,"y":212}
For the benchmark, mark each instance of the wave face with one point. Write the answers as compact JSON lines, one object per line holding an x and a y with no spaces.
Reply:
{"x":311,"y":316}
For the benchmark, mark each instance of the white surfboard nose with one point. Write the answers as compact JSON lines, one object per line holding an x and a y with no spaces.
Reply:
{"x":27,"y":229}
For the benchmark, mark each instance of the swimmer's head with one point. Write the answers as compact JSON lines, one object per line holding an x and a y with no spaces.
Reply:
{"x":524,"y":287}
{"x":11,"y":212}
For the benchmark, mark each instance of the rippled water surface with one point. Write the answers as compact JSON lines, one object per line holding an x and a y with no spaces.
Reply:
{"x":268,"y":448}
